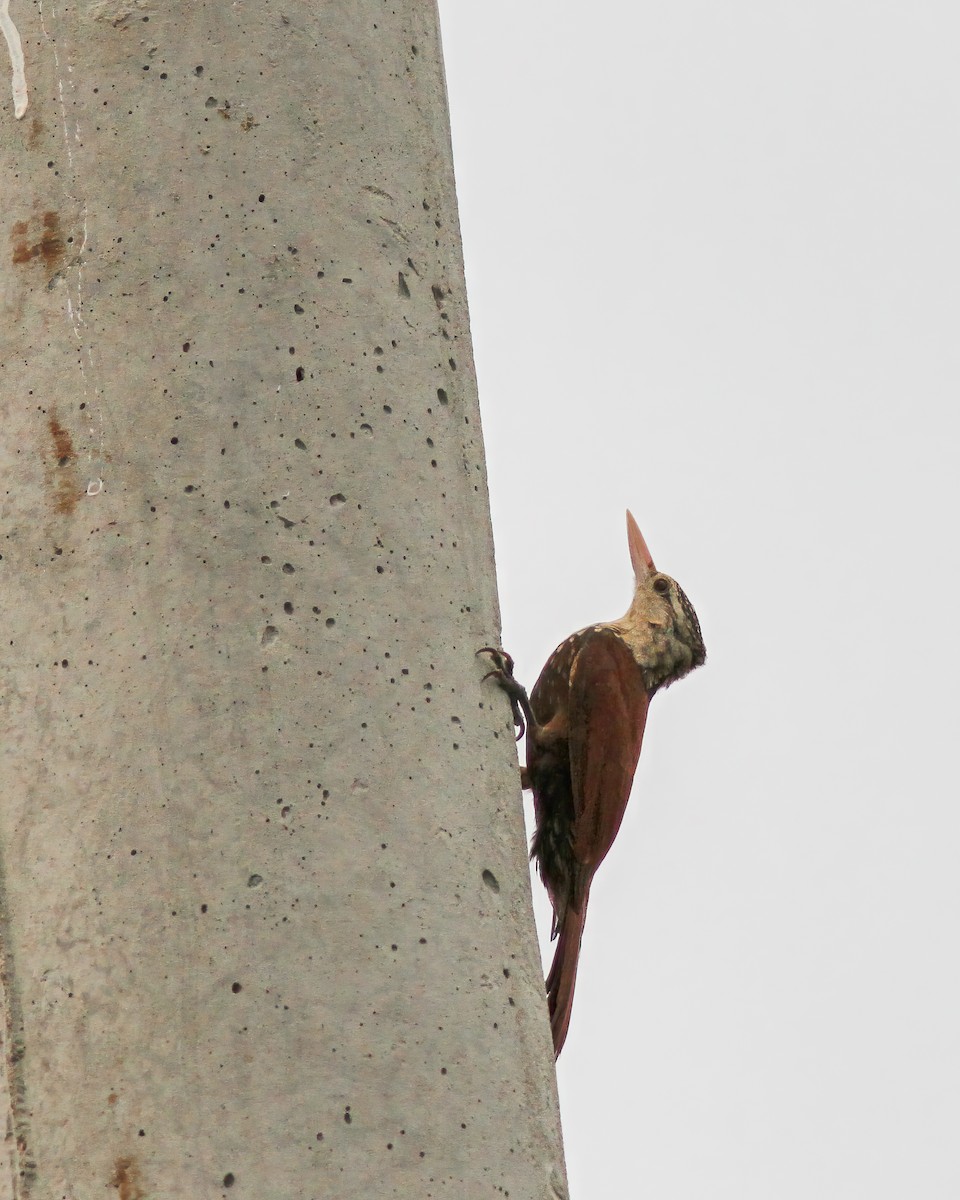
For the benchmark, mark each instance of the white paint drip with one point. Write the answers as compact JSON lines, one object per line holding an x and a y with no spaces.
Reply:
{"x":15,"y":46}
{"x":66,"y":93}
{"x":60,"y":91}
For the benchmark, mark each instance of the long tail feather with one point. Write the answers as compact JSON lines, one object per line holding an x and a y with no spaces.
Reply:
{"x":563,"y":973}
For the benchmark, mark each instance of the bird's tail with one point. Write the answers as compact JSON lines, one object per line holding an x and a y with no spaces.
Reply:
{"x":563,"y":973}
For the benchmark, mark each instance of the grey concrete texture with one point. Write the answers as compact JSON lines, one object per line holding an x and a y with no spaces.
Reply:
{"x":266,"y":925}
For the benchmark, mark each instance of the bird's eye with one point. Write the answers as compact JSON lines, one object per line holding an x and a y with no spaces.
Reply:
{"x":661,"y":585}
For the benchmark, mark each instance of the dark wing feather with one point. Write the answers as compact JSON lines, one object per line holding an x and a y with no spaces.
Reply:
{"x":608,"y":712}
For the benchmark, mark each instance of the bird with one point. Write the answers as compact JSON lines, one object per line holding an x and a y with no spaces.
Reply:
{"x":584,"y":723}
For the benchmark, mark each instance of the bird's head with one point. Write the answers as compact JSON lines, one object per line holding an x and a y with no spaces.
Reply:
{"x":661,"y":623}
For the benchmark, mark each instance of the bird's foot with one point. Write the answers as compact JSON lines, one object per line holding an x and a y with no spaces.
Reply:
{"x":519,"y":700}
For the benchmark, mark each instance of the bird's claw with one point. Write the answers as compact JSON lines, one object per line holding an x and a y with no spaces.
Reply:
{"x":504,"y":662}
{"x":516,"y":693}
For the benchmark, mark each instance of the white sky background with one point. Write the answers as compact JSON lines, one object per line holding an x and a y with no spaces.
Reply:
{"x":713,"y":257}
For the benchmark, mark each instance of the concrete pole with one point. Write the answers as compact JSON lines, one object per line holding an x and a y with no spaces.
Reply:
{"x":265,"y":920}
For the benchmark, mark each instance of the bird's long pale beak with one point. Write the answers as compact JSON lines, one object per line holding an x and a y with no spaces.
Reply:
{"x":639,"y":554}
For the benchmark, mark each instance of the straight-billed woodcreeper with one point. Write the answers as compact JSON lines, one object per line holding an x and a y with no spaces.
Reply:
{"x":584,"y":722}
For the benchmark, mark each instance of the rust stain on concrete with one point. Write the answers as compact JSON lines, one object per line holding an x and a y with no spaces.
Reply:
{"x":60,"y":461}
{"x":41,"y":238}
{"x":35,"y":134}
{"x":126,"y":1179}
